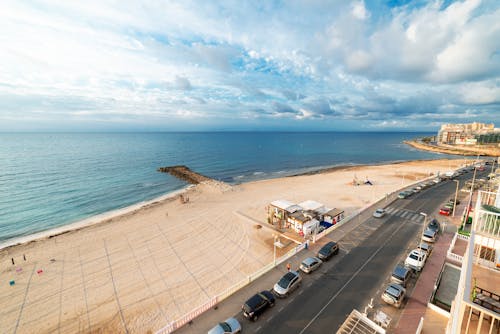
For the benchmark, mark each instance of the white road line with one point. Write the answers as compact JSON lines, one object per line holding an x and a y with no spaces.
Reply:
{"x":404,"y":214}
{"x":258,"y":329}
{"x":350,"y":279}
{"x":300,"y":292}
{"x":389,"y":210}
{"x":281,"y":308}
{"x":270,"y":318}
{"x":395,"y":212}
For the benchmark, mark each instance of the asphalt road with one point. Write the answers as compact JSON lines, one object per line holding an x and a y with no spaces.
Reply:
{"x":326,"y":298}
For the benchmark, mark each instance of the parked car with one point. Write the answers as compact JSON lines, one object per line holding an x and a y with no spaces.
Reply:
{"x":394,"y":295}
{"x":257,"y":304}
{"x":230,"y":326}
{"x":310,"y":264}
{"x":288,"y":283}
{"x":429,"y":183}
{"x":415,"y":189}
{"x":328,"y":250}
{"x":379,"y":213}
{"x":429,"y":235}
{"x":448,"y":205}
{"x":404,"y":194}
{"x":401,"y":275}
{"x":427,"y":248}
{"x":416,"y":259}
{"x":445,"y":211}
{"x":452,"y":200}
{"x":434,"y":225}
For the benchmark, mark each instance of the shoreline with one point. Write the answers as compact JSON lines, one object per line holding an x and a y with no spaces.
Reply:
{"x":454,"y":150}
{"x":108,"y":216}
{"x":166,"y":258}
{"x":101,"y":218}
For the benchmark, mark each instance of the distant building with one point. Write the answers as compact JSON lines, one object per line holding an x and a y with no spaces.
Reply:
{"x":463,"y":134}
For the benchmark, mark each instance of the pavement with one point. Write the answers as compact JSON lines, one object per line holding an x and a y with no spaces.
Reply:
{"x":417,"y":303}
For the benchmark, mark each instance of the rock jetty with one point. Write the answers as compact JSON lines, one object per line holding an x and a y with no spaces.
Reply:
{"x":184,"y":173}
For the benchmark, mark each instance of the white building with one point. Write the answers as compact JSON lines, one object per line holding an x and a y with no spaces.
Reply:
{"x":476,"y":308}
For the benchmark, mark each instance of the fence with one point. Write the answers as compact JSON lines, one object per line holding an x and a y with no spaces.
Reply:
{"x":386,"y":199}
{"x":172,"y":326}
{"x":452,"y":256}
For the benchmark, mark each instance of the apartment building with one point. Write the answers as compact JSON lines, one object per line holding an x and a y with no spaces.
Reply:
{"x":463,"y":133}
{"x":476,"y":308}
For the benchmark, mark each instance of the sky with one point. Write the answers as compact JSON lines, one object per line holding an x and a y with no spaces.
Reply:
{"x":248,"y":65}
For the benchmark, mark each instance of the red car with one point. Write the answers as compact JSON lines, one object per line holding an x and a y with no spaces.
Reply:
{"x":445,"y":211}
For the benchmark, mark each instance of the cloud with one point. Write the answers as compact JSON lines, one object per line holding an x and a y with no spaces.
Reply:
{"x":281,"y":63}
{"x":182,"y":83}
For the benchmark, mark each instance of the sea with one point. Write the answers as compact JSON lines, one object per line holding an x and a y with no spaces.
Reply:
{"x":49,"y":180}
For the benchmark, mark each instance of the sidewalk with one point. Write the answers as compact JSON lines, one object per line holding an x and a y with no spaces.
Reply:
{"x":417,"y":304}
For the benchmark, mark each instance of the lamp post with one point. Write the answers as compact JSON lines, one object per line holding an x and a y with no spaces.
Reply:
{"x":455,"y":202}
{"x":274,"y":244}
{"x":425,"y":224}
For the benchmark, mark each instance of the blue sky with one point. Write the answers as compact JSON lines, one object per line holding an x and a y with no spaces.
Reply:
{"x":248,"y":65}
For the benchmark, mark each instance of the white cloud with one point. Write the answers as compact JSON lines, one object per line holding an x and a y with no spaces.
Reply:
{"x":226,"y":59}
{"x":359,"y":10}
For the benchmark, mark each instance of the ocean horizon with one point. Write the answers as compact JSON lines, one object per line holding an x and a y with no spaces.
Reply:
{"x":49,"y":180}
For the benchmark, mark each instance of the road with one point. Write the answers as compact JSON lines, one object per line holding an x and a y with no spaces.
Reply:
{"x":328,"y":296}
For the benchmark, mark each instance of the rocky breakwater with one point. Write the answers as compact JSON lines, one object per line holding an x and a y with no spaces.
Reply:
{"x":184,"y":173}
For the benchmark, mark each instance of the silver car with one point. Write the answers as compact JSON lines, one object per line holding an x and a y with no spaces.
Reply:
{"x":289,"y":282}
{"x":394,"y":295}
{"x":310,"y":264}
{"x":429,"y":235}
{"x":230,"y":326}
{"x":379,"y":213}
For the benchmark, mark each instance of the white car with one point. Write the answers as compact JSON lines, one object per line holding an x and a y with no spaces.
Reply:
{"x":379,"y":213}
{"x":310,"y":264}
{"x":230,"y":326}
{"x":416,"y":259}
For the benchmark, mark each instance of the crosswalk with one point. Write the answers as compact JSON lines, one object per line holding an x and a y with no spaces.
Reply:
{"x":406,"y":214}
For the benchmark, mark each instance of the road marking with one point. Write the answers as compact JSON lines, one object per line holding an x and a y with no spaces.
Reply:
{"x":309,"y":285}
{"x":291,"y":300}
{"x":281,"y":308}
{"x":270,"y":318}
{"x":257,"y":329}
{"x":350,"y":279}
{"x":404,"y":214}
{"x":300,"y":292}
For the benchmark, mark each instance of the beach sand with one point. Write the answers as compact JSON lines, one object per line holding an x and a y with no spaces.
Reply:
{"x":143,"y":269}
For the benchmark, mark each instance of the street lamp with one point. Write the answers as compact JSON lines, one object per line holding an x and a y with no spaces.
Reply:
{"x":425,"y":224}
{"x":274,"y":244}
{"x":455,"y":202}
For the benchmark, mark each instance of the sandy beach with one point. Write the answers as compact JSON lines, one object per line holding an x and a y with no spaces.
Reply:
{"x":149,"y":265}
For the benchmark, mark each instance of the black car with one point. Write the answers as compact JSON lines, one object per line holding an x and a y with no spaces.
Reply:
{"x":257,"y":304}
{"x":328,"y":250}
{"x":433,"y":225}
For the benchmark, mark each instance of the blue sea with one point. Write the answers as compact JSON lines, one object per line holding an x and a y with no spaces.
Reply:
{"x":52,"y":179}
